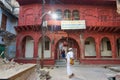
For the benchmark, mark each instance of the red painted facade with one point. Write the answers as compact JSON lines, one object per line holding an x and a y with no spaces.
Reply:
{"x":102,"y":21}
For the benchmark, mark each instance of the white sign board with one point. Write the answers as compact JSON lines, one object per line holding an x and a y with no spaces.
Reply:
{"x":73,"y":24}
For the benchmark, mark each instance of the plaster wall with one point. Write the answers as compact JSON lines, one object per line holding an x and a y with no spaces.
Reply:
{"x":11,"y":23}
{"x":11,"y":50}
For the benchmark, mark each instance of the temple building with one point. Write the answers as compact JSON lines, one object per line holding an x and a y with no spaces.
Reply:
{"x":91,"y":28}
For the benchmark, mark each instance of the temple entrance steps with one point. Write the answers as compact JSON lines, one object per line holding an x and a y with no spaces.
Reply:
{"x":62,"y":63}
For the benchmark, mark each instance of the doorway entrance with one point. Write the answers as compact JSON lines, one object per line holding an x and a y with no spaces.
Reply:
{"x":65,"y":43}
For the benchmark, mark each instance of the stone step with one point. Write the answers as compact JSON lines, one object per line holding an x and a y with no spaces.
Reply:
{"x":62,"y":63}
{"x":75,"y":65}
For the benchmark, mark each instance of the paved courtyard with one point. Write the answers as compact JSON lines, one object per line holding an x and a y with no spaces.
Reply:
{"x":84,"y":72}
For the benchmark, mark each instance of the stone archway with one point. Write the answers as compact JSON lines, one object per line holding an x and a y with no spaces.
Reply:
{"x":65,"y":43}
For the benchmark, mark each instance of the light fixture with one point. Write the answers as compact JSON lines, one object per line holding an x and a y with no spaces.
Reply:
{"x":54,"y":15}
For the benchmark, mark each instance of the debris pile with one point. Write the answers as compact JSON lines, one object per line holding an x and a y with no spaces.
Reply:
{"x":6,"y":64}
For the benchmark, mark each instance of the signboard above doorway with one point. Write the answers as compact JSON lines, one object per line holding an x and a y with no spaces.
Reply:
{"x":73,"y":24}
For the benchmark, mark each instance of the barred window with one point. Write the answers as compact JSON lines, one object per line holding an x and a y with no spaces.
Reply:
{"x":75,"y":15}
{"x":59,"y":14}
{"x":67,"y":14}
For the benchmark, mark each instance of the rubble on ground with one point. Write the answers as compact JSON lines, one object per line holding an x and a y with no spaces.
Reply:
{"x":43,"y":74}
{"x":6,"y":64}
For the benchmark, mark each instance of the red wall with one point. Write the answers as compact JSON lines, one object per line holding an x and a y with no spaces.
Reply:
{"x":94,"y":15}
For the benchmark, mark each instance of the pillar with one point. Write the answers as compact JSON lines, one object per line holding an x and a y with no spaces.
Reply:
{"x":82,"y":46}
{"x":113,"y":47}
{"x":97,"y":43}
{"x":53,"y":46}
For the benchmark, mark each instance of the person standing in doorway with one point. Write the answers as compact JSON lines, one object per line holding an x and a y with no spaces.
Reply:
{"x":69,"y":57}
{"x":63,"y":54}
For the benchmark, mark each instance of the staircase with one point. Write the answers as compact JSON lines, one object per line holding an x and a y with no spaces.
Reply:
{"x":62,"y":63}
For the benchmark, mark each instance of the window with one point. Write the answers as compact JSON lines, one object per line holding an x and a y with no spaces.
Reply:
{"x":67,"y":14}
{"x":4,"y":21}
{"x":59,"y":14}
{"x":46,"y":45}
{"x":108,"y":45}
{"x":75,"y":15}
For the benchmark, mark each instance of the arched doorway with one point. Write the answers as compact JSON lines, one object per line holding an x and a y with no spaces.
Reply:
{"x":27,"y":47}
{"x":65,"y":43}
{"x":90,"y":48}
{"x":106,"y":51}
{"x":118,"y":47}
{"x":46,"y":49}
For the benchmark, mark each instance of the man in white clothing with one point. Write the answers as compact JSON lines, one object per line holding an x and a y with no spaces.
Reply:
{"x":69,"y":55}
